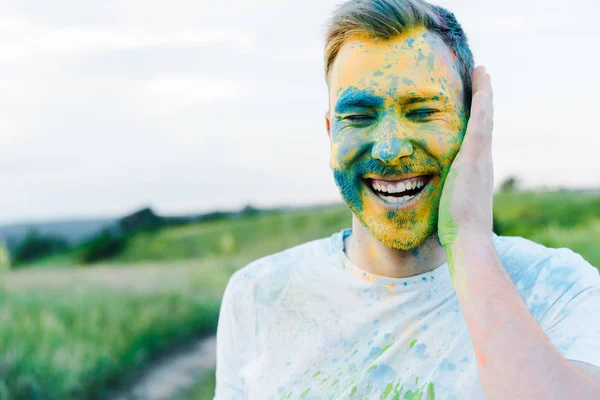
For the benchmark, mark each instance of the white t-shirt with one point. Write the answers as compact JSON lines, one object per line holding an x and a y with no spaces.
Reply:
{"x":307,"y":324}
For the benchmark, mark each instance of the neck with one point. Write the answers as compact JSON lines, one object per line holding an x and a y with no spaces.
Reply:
{"x":369,"y":254}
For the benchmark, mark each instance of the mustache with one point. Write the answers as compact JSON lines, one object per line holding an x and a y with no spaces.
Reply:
{"x":425,"y":166}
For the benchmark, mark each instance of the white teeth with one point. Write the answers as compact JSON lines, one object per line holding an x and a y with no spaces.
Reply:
{"x":398,"y":200}
{"x":398,"y":187}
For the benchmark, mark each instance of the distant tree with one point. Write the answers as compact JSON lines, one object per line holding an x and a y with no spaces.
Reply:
{"x":142,"y":220}
{"x":509,"y":185}
{"x":213,"y":216}
{"x":250,"y":210}
{"x":497,"y":227}
{"x":36,"y":246}
{"x":102,"y":247}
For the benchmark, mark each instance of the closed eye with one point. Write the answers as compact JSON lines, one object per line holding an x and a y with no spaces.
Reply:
{"x":359,"y":118}
{"x":421,"y":114}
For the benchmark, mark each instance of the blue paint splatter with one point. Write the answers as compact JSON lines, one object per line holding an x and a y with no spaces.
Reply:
{"x":420,"y":351}
{"x":447,"y":365}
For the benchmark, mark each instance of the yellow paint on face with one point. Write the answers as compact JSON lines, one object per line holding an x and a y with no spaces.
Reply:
{"x":398,"y":103}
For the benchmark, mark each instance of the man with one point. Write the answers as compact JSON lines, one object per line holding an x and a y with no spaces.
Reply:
{"x":419,"y":300}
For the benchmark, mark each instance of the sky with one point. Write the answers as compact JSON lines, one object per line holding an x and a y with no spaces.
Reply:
{"x":195,"y":106}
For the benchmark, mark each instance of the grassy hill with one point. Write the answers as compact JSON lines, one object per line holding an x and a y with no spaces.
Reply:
{"x":556,"y":219}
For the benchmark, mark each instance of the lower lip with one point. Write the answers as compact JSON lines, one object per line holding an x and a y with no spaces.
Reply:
{"x":401,"y":206}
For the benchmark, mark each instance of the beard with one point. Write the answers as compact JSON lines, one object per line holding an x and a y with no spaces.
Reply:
{"x":403,"y":229}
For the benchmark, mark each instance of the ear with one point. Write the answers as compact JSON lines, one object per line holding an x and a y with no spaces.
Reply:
{"x":328,"y":124}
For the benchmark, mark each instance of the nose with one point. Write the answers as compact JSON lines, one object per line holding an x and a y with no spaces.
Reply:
{"x":391,"y":144}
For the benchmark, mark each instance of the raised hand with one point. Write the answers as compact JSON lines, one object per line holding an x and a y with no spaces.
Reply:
{"x":466,"y":202}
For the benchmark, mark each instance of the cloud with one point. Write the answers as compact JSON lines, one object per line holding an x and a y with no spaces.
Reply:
{"x":166,"y":94}
{"x":501,"y":24}
{"x":74,"y":39}
{"x":92,"y":38}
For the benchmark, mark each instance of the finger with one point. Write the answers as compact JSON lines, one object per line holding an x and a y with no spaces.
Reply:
{"x":482,"y":82}
{"x":474,"y":141}
{"x":477,"y":77}
{"x":489,"y":112}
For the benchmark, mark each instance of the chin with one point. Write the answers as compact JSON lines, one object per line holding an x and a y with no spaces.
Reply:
{"x":403,"y":216}
{"x":397,"y":237}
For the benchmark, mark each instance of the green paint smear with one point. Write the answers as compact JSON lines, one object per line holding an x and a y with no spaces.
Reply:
{"x":316,"y":374}
{"x":412,"y":344}
{"x":303,"y":395}
{"x":385,"y":348}
{"x":430,"y":392}
{"x":447,"y":227}
{"x":371,"y":368}
{"x":287,"y":395}
{"x":387,"y":391}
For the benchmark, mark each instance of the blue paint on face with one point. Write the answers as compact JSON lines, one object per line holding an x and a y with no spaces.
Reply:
{"x":353,"y":97}
{"x":430,"y":62}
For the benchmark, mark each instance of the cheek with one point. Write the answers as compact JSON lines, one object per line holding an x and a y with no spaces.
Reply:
{"x":444,"y":144}
{"x":346,"y":146}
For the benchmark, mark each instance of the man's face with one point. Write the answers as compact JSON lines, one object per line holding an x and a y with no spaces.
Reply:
{"x":396,"y":122}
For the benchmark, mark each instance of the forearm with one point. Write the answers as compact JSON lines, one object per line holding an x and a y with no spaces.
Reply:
{"x":513,"y":353}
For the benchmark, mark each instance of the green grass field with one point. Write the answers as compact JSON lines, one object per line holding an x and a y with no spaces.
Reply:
{"x":70,"y":333}
{"x":204,"y":389}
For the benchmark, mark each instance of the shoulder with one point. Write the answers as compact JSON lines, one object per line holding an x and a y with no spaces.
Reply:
{"x":528,"y":262}
{"x":266,"y":278}
{"x":545,"y":275}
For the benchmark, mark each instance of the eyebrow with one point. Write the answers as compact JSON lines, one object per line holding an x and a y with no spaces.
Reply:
{"x":353,"y":97}
{"x":422,"y":97}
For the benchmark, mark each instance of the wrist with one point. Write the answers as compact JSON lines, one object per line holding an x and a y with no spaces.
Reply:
{"x":472,"y":241}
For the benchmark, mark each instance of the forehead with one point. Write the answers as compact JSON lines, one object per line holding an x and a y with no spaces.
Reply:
{"x":416,"y":60}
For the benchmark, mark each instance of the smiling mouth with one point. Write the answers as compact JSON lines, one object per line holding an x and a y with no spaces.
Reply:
{"x":398,"y":192}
